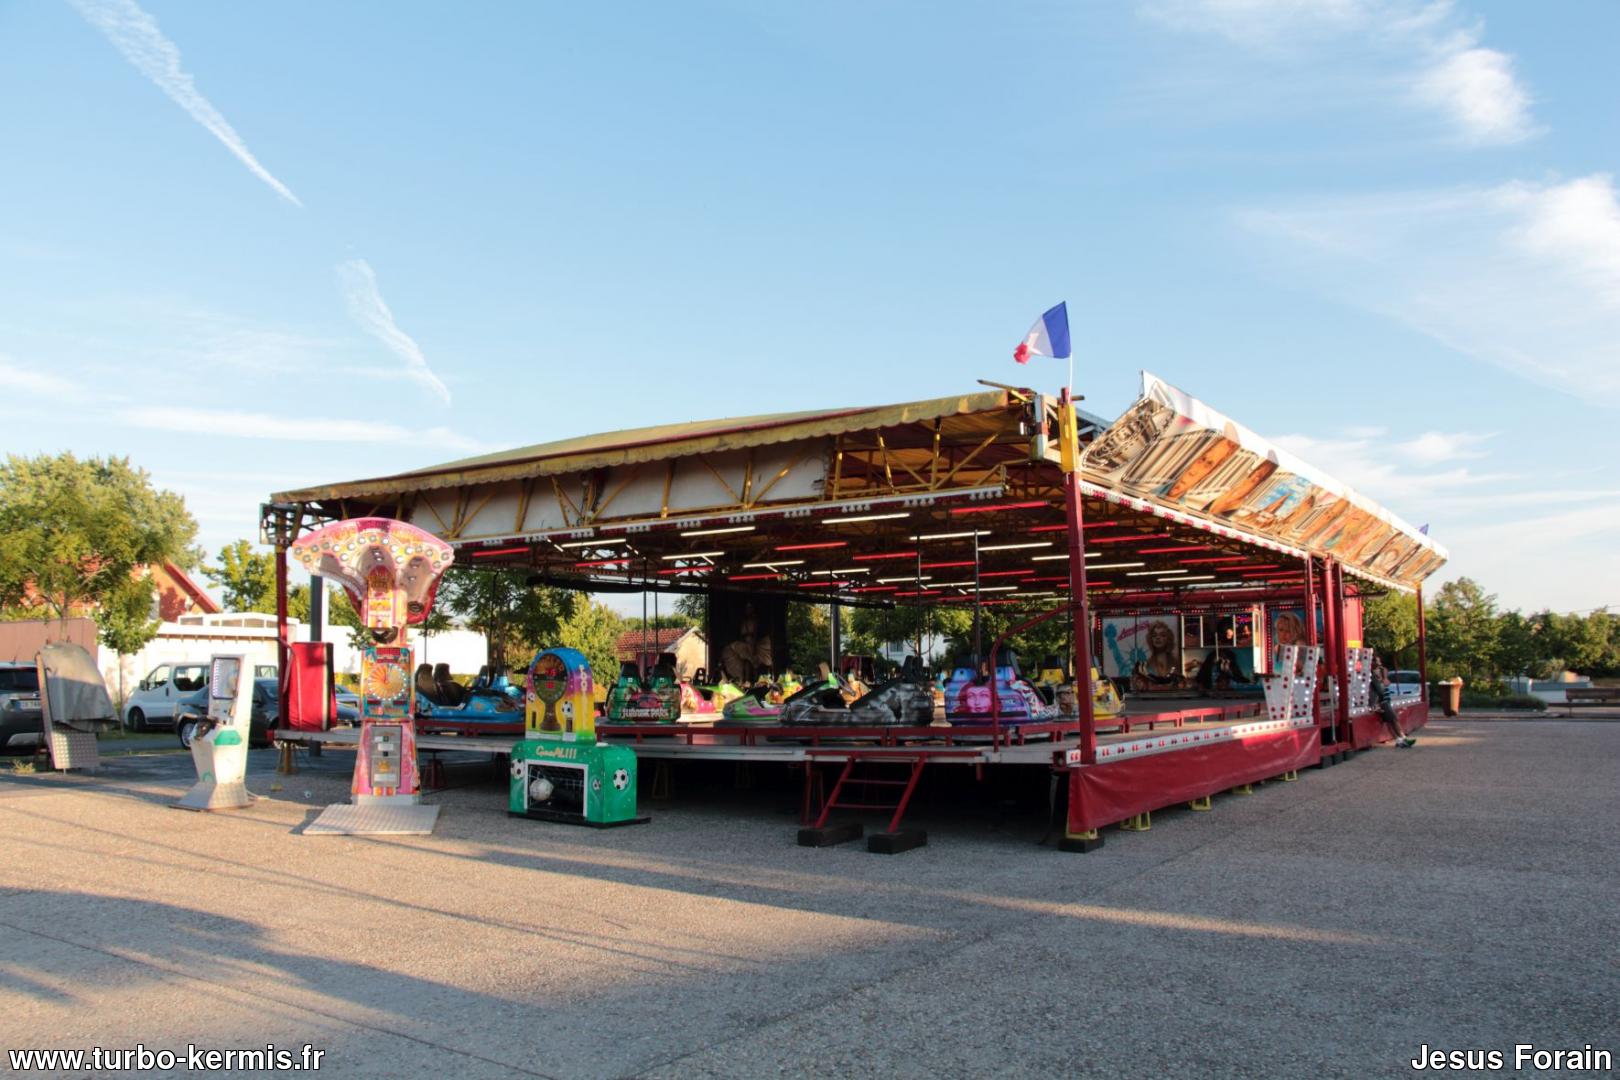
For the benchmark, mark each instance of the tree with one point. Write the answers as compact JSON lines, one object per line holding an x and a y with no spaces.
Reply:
{"x":1521,"y":646}
{"x":1462,"y":631}
{"x":809,"y":636}
{"x":77,"y":536}
{"x":1389,"y":628}
{"x":1574,"y":643}
{"x":247,"y":581}
{"x":593,"y":628}
{"x":516,"y":618}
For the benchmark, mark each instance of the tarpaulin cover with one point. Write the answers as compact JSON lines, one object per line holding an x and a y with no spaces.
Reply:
{"x":1104,"y":794}
{"x":311,"y":698}
{"x":74,"y":692}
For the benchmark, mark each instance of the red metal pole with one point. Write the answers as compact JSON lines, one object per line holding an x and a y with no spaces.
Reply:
{"x":283,"y":672}
{"x":1341,"y":668}
{"x":1423,"y":646}
{"x":1072,"y":503}
{"x":1310,"y":602}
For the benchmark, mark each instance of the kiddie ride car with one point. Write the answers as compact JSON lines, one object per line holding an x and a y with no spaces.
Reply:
{"x":652,"y":700}
{"x":968,"y":695}
{"x":1054,"y":685}
{"x":762,"y":702}
{"x":488,"y":707}
{"x":907,"y":701}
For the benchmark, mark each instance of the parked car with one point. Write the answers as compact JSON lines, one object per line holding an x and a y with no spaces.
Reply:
{"x":163,"y":693}
{"x":1405,"y":683}
{"x":266,"y":709}
{"x":19,"y":707}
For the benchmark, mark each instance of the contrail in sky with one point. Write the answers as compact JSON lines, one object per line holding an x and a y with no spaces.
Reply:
{"x":135,"y":34}
{"x":367,"y":308}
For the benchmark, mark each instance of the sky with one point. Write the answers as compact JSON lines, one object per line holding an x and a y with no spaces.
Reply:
{"x":255,"y":247}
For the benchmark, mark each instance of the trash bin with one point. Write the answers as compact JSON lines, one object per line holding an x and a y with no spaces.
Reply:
{"x":1451,"y":701}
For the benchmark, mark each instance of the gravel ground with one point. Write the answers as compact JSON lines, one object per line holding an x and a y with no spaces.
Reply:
{"x":1460,"y":895}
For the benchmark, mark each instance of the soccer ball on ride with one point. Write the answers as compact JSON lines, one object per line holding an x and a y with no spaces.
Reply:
{"x":621,"y":779}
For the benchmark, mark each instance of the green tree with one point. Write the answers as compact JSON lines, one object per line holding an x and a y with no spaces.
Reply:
{"x":246,"y":576}
{"x":1521,"y":646}
{"x":593,"y":628}
{"x":809,"y":636}
{"x":516,"y":618}
{"x":1462,"y":631}
{"x":1577,"y":644}
{"x":76,"y":536}
{"x":1389,"y":628}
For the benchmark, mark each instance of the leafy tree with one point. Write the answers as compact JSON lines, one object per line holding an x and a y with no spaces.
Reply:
{"x":75,"y":536}
{"x":1521,"y":646}
{"x":809,"y":636}
{"x":516,"y":618}
{"x":1389,"y":628}
{"x":247,"y":581}
{"x":1462,"y":631}
{"x":1576,"y":643}
{"x":593,"y":628}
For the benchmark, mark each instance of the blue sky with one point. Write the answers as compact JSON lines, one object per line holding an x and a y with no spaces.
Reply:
{"x":260,"y":246}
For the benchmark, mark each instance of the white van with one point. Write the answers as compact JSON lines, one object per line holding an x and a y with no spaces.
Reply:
{"x":163,"y":692}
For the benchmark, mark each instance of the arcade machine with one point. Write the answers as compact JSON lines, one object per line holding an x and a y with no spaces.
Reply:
{"x":220,"y":752}
{"x":391,"y":571}
{"x":560,"y":772}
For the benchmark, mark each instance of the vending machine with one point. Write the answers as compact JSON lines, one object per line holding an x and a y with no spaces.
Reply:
{"x":560,"y":772}
{"x":220,"y":747}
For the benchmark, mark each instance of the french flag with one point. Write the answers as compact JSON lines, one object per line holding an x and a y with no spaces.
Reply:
{"x":1048,"y":337}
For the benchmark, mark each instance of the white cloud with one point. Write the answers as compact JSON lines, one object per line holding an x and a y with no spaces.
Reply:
{"x":1477,"y":88}
{"x":14,"y":376}
{"x":1380,"y":467}
{"x":135,"y":34}
{"x":367,"y":307}
{"x":1435,"y":55}
{"x":1434,"y":447}
{"x":1525,"y":276}
{"x":252,"y":425}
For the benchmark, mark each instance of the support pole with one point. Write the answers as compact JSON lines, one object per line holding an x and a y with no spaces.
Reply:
{"x":1310,"y":602}
{"x":837,"y":636}
{"x":317,"y":608}
{"x":978,"y":637}
{"x":283,"y":635}
{"x":1423,"y":645}
{"x":1341,"y":662}
{"x":1073,"y":505}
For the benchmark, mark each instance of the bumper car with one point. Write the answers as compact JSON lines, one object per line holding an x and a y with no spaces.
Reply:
{"x":445,"y":707}
{"x":968,"y":695}
{"x":895,"y":703}
{"x":633,"y":700}
{"x":1054,"y":686}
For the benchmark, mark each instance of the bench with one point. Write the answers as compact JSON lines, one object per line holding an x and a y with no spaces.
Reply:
{"x":1591,"y":697}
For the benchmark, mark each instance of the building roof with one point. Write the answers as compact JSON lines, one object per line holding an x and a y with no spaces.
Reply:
{"x":197,"y":594}
{"x":900,"y":503}
{"x":632,"y":643}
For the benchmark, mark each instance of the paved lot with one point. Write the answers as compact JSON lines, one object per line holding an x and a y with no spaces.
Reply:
{"x":1461,"y":895}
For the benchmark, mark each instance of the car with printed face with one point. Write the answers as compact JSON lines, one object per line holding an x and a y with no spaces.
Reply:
{"x":19,"y":707}
{"x":166,"y":690}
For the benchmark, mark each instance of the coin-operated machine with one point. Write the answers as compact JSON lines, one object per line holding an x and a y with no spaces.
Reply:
{"x":219,"y":748}
{"x":391,"y":571}
{"x":559,"y":771}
